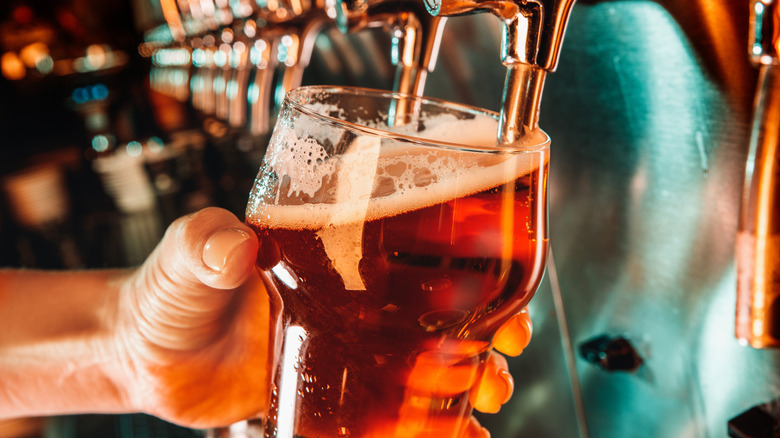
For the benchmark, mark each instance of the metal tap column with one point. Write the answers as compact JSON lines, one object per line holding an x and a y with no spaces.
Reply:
{"x":758,"y":239}
{"x":303,"y":21}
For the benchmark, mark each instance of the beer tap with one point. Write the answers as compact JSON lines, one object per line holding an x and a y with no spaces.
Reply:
{"x":241,"y":68}
{"x":180,"y":25}
{"x":287,"y":34}
{"x":263,"y":57}
{"x":239,"y":38}
{"x":219,"y":68}
{"x":532,"y":37}
{"x":244,"y":34}
{"x":303,"y":21}
{"x":189,"y":25}
{"x":416,"y":35}
{"x":209,"y":52}
{"x":186,"y":19}
{"x":246,"y":51}
{"x":207,"y":70}
{"x":758,"y":239}
{"x":226,"y":62}
{"x":175,"y":19}
{"x":217,"y":13}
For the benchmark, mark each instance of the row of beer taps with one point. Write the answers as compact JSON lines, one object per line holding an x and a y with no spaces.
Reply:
{"x":235,"y":47}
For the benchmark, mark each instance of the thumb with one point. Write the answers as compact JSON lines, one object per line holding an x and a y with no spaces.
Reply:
{"x":179,"y":294}
{"x":210,"y":247}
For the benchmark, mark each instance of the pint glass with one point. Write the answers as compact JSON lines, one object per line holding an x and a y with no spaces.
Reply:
{"x":393,"y":248}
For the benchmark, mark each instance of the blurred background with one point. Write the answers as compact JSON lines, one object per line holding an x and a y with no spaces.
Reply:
{"x":118,"y":116}
{"x":101,"y":144}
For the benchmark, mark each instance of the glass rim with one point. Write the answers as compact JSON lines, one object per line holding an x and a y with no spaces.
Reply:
{"x":294,"y":99}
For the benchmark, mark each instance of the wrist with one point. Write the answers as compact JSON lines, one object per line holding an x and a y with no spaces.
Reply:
{"x":113,"y":358}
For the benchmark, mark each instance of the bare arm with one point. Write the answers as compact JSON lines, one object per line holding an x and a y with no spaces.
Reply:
{"x":183,"y":337}
{"x":56,"y":351}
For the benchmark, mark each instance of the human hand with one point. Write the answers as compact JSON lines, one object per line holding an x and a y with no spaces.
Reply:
{"x":496,"y":386}
{"x":510,"y":339}
{"x":192,"y":325}
{"x":439,"y":374}
{"x":446,"y":372}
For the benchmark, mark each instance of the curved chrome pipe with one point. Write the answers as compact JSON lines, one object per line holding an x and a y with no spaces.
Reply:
{"x":530,"y":47}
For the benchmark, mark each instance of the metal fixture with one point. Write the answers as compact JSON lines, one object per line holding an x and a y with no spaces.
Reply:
{"x":416,"y":35}
{"x":758,"y":239}
{"x":533,"y":33}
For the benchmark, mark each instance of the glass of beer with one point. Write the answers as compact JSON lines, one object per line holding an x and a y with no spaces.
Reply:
{"x":393,"y":245}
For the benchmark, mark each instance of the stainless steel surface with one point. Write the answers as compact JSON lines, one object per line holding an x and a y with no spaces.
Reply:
{"x":758,"y":240}
{"x":534,"y":28}
{"x":649,"y":113}
{"x":521,"y":101}
{"x":260,"y":95}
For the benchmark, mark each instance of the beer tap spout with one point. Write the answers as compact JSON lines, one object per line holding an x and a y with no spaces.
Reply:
{"x":416,"y":35}
{"x":530,"y":47}
{"x":302,"y":21}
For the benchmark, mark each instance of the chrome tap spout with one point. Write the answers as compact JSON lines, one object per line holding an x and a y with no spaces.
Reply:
{"x":530,"y":47}
{"x":416,"y":35}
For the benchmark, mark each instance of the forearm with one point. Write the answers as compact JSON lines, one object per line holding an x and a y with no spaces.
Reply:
{"x":57,"y":354}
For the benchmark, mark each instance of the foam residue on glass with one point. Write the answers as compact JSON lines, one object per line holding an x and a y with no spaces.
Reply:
{"x":322,"y":177}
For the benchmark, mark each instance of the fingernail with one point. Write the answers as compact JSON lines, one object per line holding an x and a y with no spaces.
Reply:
{"x":220,"y":245}
{"x":509,"y":382}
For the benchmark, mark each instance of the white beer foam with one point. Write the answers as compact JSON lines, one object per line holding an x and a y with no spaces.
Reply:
{"x":408,"y":177}
{"x":344,"y":244}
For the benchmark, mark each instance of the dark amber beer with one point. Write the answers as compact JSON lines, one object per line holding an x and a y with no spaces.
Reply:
{"x":391,"y":265}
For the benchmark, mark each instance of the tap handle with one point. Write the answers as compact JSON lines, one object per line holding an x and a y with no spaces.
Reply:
{"x":534,"y":28}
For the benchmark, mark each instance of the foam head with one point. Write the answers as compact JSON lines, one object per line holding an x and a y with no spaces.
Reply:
{"x":304,"y":184}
